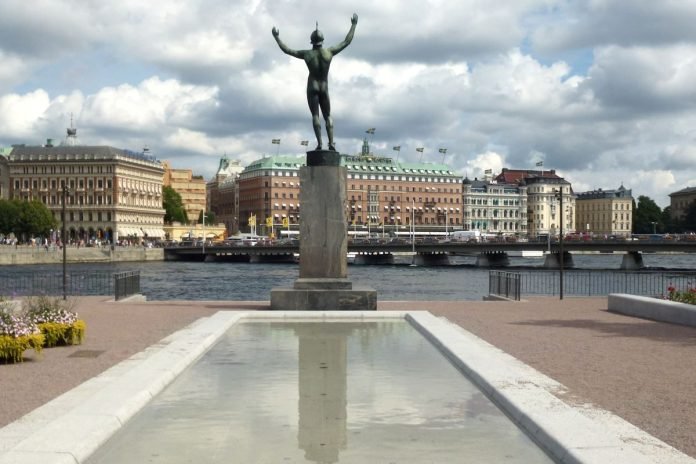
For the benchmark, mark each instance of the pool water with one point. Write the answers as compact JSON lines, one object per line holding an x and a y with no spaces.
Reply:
{"x":338,"y":392}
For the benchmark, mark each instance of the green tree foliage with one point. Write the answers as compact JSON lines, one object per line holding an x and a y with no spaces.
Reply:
{"x":9,"y":213}
{"x":173,"y":206}
{"x":645,"y":213}
{"x":25,"y":219}
{"x":209,"y":217}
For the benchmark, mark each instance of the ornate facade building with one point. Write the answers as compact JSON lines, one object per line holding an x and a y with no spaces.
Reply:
{"x":495,"y":208}
{"x":109,"y":193}
{"x":544,"y":191}
{"x":381,"y":192}
{"x":605,"y":212}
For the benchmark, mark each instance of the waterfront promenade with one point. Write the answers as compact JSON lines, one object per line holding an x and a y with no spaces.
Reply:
{"x":25,"y":254}
{"x":641,"y":370}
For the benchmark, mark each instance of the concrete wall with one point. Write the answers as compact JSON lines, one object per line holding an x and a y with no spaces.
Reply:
{"x":24,"y":255}
{"x":653,"y":308}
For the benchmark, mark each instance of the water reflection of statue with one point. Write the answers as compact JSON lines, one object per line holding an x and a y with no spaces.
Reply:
{"x":323,"y":389}
{"x":318,"y":61}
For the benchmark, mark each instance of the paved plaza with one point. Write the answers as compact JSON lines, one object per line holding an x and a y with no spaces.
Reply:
{"x":641,"y":370}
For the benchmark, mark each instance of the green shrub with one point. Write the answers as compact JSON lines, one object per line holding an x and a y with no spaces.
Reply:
{"x":56,"y":333}
{"x":13,"y":348}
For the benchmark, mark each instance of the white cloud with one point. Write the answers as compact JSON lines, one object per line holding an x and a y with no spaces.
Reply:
{"x":645,"y":78}
{"x":477,"y":166}
{"x":150,"y":106}
{"x":194,"y":141}
{"x":20,"y":113}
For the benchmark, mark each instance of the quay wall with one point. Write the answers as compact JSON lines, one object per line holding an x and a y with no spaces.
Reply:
{"x":37,"y":255}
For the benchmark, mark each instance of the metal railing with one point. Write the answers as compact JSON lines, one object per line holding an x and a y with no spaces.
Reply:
{"x":119,"y":284}
{"x":51,"y":283}
{"x":126,"y":284}
{"x":505,"y":284}
{"x":596,"y":282}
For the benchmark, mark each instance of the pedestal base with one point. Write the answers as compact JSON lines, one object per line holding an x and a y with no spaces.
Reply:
{"x":326,"y":299}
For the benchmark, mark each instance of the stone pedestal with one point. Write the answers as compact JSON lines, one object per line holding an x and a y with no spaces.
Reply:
{"x":323,"y":283}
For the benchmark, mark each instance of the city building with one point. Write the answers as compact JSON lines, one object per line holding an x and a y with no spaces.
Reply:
{"x":494,"y":208}
{"x":109,"y":193}
{"x":4,"y":172}
{"x":381,"y":193}
{"x":605,"y":212}
{"x":546,"y":192}
{"x":191,"y":188}
{"x":222,"y":195}
{"x":680,"y":201}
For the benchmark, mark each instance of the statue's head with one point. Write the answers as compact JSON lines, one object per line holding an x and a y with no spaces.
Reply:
{"x":317,"y":37}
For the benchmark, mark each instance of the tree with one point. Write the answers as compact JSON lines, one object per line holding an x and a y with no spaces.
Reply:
{"x":173,"y":206}
{"x":647,"y":217}
{"x":35,"y":219}
{"x":209,"y":217}
{"x":8,"y":216}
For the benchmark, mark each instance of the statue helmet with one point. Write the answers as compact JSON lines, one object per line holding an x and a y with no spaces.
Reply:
{"x":317,"y":37}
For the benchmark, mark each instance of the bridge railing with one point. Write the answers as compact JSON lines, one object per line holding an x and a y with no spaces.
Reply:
{"x":600,"y":282}
{"x":505,"y":284}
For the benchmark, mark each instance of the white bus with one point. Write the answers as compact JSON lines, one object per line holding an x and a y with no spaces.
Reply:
{"x":244,"y":239}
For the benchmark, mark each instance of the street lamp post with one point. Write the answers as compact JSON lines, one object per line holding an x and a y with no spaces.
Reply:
{"x":654,"y":224}
{"x":559,"y":194}
{"x":413,"y":232}
{"x":63,"y":238}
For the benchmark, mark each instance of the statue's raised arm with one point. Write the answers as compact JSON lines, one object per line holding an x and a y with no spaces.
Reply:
{"x":349,"y":37}
{"x":296,"y":53}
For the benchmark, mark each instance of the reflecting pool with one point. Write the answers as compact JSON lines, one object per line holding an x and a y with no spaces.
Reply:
{"x":323,"y":392}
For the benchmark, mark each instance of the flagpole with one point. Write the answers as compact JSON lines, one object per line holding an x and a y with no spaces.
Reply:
{"x":420,"y":150}
{"x":444,"y":153}
{"x":397,"y":149}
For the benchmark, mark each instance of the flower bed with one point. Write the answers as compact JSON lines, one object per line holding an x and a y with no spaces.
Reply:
{"x":682,"y":296}
{"x":17,"y":334}
{"x":37,"y":323}
{"x":56,"y":321}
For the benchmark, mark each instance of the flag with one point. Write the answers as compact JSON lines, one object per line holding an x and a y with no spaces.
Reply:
{"x":397,"y":148}
{"x":420,"y":149}
{"x":252,"y":220}
{"x":442,"y":150}
{"x":269,"y":221}
{"x":540,"y":163}
{"x":304,"y":143}
{"x":286,"y":222}
{"x":488,"y":171}
{"x":371,"y":130}
{"x":275,"y":141}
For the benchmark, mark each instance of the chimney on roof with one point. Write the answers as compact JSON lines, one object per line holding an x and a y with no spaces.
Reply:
{"x":49,"y":143}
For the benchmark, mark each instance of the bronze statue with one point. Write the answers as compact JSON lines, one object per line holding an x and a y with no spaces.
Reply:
{"x":318,"y":60}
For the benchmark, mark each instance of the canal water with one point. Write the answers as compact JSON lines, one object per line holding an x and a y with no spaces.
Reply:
{"x":314,"y":392}
{"x":178,"y":280}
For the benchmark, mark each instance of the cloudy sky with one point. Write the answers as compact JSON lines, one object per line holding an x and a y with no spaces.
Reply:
{"x":600,"y":90}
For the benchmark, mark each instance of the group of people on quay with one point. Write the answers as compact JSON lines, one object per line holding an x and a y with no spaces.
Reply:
{"x":49,"y":245}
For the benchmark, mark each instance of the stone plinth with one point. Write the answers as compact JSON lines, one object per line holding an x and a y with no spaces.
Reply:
{"x":323,"y":283}
{"x":323,"y":238}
